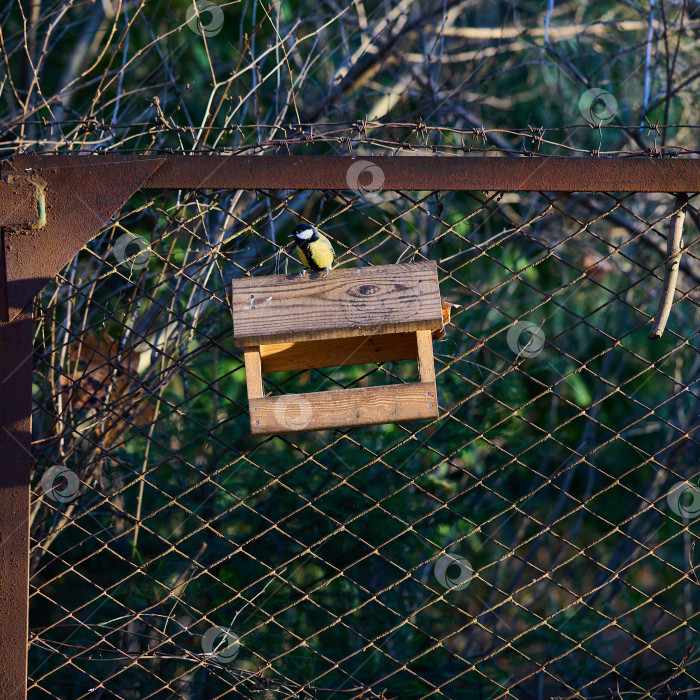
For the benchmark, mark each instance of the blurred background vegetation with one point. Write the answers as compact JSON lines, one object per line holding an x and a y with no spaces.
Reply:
{"x":549,"y":473}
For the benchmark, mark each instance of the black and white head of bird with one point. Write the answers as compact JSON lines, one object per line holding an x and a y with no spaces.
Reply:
{"x":304,"y":233}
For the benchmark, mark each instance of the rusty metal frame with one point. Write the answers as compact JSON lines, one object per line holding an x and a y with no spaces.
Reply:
{"x":402,"y":172}
{"x":51,"y":206}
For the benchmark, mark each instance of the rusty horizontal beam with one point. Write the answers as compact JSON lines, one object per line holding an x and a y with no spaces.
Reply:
{"x":458,"y":173}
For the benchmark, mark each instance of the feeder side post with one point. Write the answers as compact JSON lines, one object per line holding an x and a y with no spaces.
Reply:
{"x":426,"y":362}
{"x":253,"y":372}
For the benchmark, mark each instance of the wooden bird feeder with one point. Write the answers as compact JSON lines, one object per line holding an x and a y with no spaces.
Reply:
{"x":354,"y":316}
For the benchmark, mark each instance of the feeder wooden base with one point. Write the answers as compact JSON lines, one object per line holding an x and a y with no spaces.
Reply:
{"x":345,"y":408}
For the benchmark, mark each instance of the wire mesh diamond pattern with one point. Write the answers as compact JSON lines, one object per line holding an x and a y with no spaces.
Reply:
{"x":536,"y":540}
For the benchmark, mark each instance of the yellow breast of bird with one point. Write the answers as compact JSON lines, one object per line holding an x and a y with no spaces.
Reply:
{"x":321,"y":255}
{"x":302,"y":256}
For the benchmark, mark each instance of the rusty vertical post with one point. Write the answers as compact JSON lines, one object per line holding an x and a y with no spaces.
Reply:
{"x":15,"y":468}
{"x":45,"y":219}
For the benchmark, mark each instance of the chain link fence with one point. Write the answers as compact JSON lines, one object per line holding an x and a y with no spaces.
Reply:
{"x":535,"y":541}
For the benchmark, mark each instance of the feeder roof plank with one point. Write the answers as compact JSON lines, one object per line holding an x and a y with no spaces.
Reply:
{"x":371,"y":300}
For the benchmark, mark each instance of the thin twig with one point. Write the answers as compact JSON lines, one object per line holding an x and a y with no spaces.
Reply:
{"x":674,"y":243}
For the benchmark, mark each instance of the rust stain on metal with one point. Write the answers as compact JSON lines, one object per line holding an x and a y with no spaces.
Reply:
{"x":22,"y":202}
{"x":81,"y":195}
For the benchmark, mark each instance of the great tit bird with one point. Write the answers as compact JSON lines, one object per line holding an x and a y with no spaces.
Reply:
{"x":315,"y":250}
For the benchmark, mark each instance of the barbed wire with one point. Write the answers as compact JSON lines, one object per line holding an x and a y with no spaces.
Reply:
{"x":377,"y":137}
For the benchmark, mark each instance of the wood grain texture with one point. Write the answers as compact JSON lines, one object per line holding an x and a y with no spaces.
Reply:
{"x":293,"y":413}
{"x":348,"y":303}
{"x":426,"y":361}
{"x":337,"y":352}
{"x":253,"y":372}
